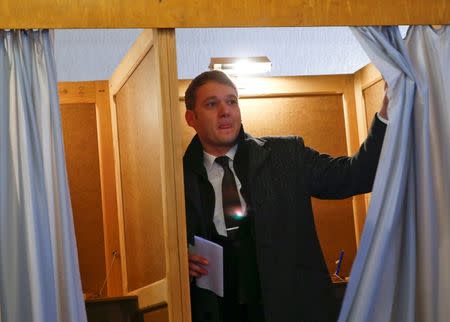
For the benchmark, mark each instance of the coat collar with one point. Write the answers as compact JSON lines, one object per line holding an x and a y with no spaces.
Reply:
{"x":250,"y":155}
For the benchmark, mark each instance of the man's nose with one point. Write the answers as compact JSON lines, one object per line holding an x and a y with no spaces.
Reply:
{"x":224,"y":108}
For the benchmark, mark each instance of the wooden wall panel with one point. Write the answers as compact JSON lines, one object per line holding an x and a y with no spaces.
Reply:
{"x":82,"y":161}
{"x":307,"y":116}
{"x":369,"y":90}
{"x":140,"y":161}
{"x":223,"y":13}
{"x":373,"y":98}
{"x":96,"y":96}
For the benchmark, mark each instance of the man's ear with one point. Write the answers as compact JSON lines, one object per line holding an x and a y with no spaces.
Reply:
{"x":189,"y":116}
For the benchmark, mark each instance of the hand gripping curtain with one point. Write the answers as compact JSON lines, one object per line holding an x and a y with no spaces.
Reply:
{"x":402,"y":269}
{"x":39,"y":274}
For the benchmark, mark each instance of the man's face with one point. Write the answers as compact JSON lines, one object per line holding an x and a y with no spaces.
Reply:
{"x":216,"y":117}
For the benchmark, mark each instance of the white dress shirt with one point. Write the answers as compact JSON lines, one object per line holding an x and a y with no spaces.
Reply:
{"x":215,"y":174}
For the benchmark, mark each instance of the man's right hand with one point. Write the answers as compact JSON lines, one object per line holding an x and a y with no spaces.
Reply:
{"x":196,"y":265}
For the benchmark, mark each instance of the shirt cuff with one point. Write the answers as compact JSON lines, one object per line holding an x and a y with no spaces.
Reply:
{"x":382,"y":119}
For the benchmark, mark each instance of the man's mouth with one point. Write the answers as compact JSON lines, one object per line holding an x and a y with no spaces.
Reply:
{"x":225,"y":126}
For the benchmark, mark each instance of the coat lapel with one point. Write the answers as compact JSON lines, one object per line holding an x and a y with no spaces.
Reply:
{"x":255,"y":153}
{"x":193,"y":158}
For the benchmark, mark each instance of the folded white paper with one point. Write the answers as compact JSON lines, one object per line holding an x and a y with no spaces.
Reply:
{"x":214,"y":254}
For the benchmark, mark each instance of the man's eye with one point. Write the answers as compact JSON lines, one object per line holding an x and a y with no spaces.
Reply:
{"x":210,"y":104}
{"x":232,"y":102}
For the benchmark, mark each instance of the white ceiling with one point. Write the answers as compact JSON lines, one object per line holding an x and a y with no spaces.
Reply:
{"x":93,"y":54}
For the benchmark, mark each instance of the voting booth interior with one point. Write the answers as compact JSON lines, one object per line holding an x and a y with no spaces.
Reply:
{"x":125,"y":172}
{"x":131,"y":241}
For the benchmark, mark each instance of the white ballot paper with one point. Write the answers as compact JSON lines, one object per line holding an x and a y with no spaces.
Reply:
{"x":214,"y":254}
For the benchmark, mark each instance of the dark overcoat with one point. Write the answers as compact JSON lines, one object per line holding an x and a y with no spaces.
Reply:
{"x":279,"y":176}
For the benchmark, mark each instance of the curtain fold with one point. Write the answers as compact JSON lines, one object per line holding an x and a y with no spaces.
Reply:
{"x":401,"y":271}
{"x":39,"y":272}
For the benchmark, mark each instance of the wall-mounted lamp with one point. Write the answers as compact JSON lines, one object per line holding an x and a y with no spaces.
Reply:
{"x":241,"y":66}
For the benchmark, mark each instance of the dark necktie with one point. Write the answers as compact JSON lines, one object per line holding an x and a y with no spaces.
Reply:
{"x":232,"y":208}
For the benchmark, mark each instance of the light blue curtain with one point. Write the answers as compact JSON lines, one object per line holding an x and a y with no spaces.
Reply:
{"x":39,"y":273}
{"x":402,"y":269}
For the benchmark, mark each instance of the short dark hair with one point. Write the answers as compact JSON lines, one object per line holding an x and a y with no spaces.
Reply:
{"x":205,"y":77}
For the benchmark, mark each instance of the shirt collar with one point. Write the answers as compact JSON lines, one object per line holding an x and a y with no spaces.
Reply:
{"x":208,"y":159}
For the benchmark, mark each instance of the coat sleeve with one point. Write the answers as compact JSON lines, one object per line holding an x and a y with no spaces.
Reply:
{"x":342,"y":177}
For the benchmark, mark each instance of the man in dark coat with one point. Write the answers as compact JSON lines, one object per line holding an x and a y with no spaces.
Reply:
{"x":274,"y":269}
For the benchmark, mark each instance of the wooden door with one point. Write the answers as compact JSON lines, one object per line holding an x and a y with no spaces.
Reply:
{"x":149,"y":176}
